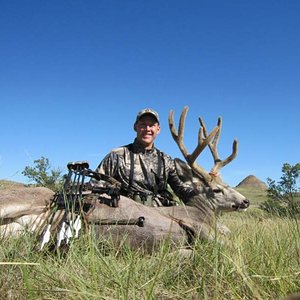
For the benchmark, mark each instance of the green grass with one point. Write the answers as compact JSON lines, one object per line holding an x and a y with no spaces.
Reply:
{"x":255,"y":195}
{"x":260,"y":260}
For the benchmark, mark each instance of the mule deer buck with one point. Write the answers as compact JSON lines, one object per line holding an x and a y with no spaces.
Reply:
{"x":178,"y":224}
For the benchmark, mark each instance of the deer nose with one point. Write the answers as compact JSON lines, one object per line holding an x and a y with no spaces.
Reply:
{"x":246,"y":202}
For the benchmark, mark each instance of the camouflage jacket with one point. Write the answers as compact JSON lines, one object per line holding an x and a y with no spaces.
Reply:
{"x":151,"y":172}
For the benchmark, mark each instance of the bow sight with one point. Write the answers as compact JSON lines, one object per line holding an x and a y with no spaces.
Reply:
{"x":75,"y":186}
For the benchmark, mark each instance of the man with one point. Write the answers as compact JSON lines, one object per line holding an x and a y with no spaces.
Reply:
{"x":143,"y":170}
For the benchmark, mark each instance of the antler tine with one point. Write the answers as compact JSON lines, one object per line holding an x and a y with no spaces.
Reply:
{"x":213,"y":148}
{"x":213,"y":145}
{"x":178,"y":137}
{"x":232,"y":156}
{"x":202,"y":142}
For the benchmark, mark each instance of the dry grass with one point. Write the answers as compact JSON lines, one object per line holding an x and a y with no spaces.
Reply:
{"x":7,"y":184}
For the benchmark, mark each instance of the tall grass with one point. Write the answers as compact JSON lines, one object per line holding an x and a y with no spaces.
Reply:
{"x":259,"y":260}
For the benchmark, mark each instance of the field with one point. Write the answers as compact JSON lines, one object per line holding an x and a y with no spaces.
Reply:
{"x":259,"y":260}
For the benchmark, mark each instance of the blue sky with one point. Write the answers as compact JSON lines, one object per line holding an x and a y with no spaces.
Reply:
{"x":74,"y":74}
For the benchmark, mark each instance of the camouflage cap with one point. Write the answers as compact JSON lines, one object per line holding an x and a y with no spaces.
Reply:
{"x":147,"y":111}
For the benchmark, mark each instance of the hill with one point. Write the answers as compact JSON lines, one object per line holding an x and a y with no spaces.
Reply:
{"x":7,"y":184}
{"x":252,"y":182}
{"x":254,"y":189}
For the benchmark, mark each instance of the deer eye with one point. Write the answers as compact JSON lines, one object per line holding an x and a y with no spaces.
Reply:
{"x":217,"y":190}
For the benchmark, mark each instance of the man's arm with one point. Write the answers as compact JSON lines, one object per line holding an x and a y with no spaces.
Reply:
{"x":107,"y":166}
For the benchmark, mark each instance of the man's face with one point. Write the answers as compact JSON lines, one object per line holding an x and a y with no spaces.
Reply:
{"x":147,"y":129}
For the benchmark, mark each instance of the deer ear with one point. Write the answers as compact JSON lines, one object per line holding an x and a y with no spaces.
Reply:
{"x":184,"y":172}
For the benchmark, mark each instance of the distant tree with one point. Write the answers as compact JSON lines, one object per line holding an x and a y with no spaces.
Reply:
{"x":284,"y":196}
{"x":43,"y":175}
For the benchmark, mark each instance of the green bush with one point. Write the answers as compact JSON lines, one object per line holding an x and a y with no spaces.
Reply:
{"x":284,"y":196}
{"x":43,"y":175}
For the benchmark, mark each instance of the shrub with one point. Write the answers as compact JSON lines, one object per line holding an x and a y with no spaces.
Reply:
{"x":43,"y":175}
{"x":284,"y":196}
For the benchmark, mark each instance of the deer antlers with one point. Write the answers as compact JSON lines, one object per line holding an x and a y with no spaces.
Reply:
{"x":204,"y":139}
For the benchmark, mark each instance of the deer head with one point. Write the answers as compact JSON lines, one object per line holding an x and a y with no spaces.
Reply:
{"x":209,"y":183}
